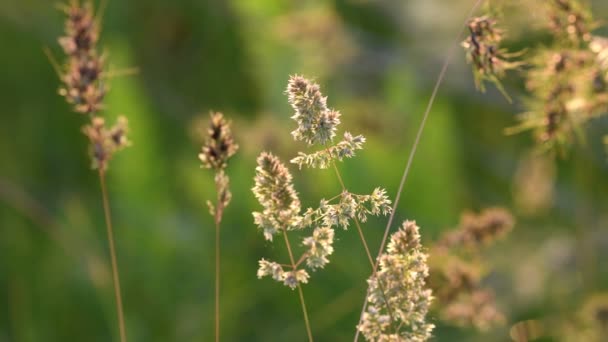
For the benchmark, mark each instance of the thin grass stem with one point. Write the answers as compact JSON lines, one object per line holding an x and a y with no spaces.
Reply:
{"x":366,"y":247}
{"x":427,"y":111}
{"x":115,"y":277}
{"x":300,"y":292}
{"x":217,"y":280}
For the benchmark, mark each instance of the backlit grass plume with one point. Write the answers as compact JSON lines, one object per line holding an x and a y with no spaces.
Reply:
{"x":570,"y":20}
{"x":219,"y":146}
{"x":105,"y":141}
{"x":457,"y":269}
{"x":483,"y":51}
{"x":275,"y":192}
{"x":282,"y":213}
{"x":308,"y":102}
{"x":567,"y":80}
{"x":479,"y":230}
{"x":317,"y":124}
{"x":85,"y":80}
{"x":402,"y":273}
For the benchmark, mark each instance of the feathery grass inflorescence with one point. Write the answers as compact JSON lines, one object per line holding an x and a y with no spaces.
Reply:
{"x":84,"y":87}
{"x":570,"y":20}
{"x":219,"y":146}
{"x":84,"y":80}
{"x":282,"y":213}
{"x":403,"y":272}
{"x":317,"y":124}
{"x":274,"y":190}
{"x":569,"y":89}
{"x":567,"y":80}
{"x":489,"y":60}
{"x":105,"y":141}
{"x":479,"y":230}
{"x":457,"y":272}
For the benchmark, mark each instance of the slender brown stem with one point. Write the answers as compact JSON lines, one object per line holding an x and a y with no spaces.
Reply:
{"x":300,"y":292}
{"x":108,"y":217}
{"x":369,"y":255}
{"x":217,"y":281}
{"x":366,"y":247}
{"x":303,"y":302}
{"x":427,"y":111}
{"x":219,"y":209}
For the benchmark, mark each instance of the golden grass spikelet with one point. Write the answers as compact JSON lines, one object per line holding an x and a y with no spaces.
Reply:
{"x":83,"y":75}
{"x":106,"y":141}
{"x":219,"y":145}
{"x":400,"y":284}
{"x":476,"y":230}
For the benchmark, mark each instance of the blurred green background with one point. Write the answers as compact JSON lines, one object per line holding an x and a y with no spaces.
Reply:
{"x":377,"y":61}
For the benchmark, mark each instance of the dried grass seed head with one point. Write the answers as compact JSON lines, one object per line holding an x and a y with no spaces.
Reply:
{"x":320,"y":246}
{"x":570,"y":19}
{"x":490,"y":62}
{"x":106,"y":141}
{"x":476,"y":230}
{"x":274,"y":190}
{"x":316,"y":122}
{"x":219,"y":144}
{"x":84,"y":86}
{"x":477,"y":309}
{"x":402,"y":273}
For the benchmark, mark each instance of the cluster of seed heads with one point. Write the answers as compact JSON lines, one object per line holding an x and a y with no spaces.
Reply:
{"x":219,"y":146}
{"x":106,"y":141}
{"x":84,"y":84}
{"x":316,"y":122}
{"x":275,"y":192}
{"x":570,"y":19}
{"x":456,"y":273}
{"x":568,"y":79}
{"x":490,"y":62}
{"x":398,"y":298}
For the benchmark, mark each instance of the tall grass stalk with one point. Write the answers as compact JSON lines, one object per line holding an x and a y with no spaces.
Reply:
{"x":365,"y":245}
{"x":427,"y":111}
{"x":84,"y":77}
{"x":219,"y":146}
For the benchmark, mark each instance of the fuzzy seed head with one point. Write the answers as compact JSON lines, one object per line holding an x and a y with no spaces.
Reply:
{"x":320,"y":246}
{"x":106,"y":141}
{"x":275,"y":192}
{"x":316,"y":122}
{"x":402,"y":273}
{"x":219,"y":145}
{"x":83,"y":75}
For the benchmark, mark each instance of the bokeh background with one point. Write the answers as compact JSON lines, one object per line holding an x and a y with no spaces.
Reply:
{"x":377,"y":61}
